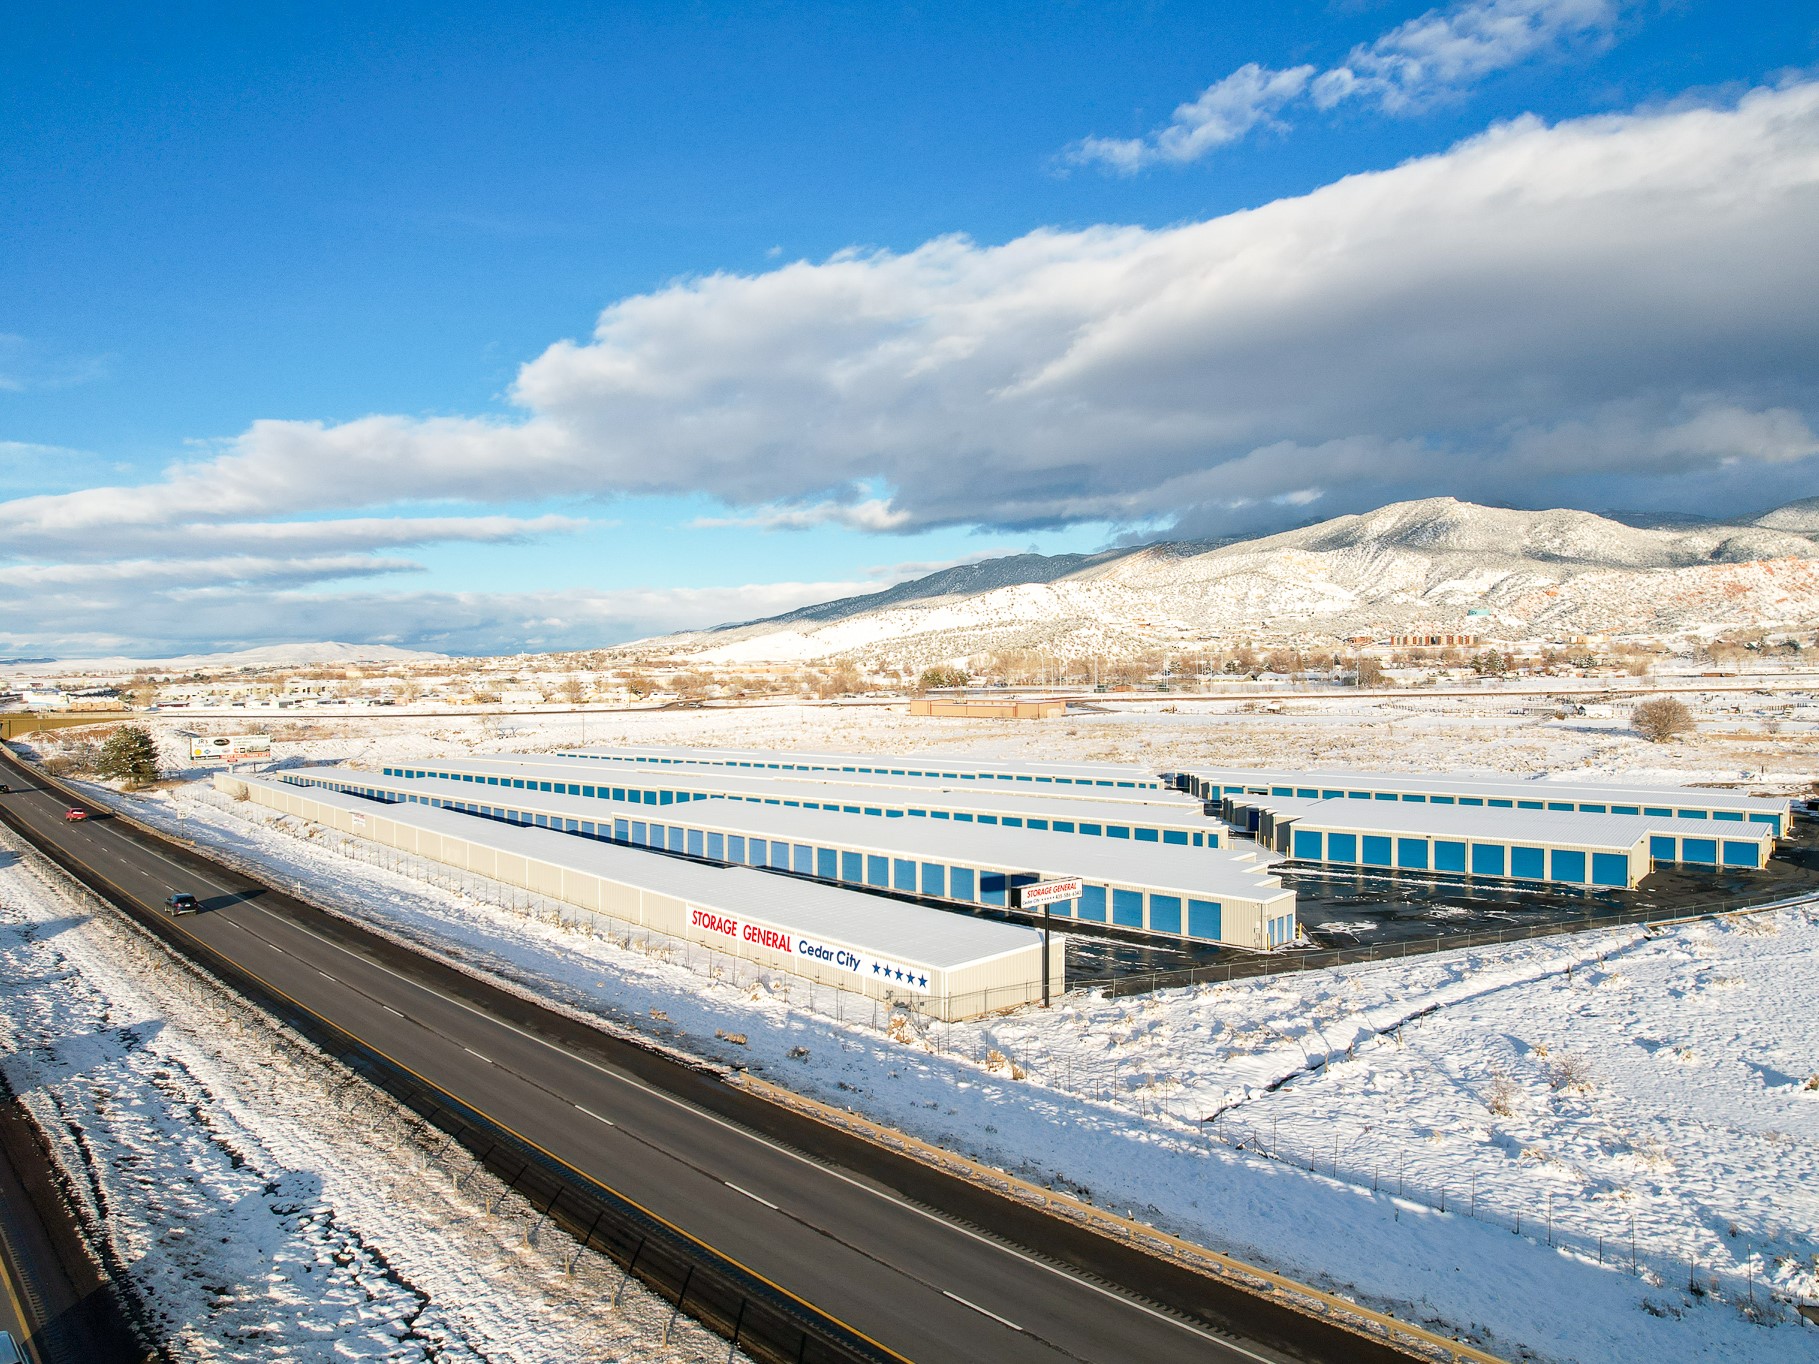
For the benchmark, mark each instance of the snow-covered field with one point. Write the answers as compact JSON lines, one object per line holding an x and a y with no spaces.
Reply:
{"x":259,"y":1201}
{"x":1754,"y":739}
{"x":1639,"y":1101}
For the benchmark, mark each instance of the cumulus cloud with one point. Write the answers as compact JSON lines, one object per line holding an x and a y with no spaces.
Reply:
{"x":1531,"y":279}
{"x":1224,"y":112}
{"x":871,"y":514}
{"x":230,"y":616}
{"x":1415,"y":64}
{"x":68,"y":537}
{"x":1611,"y":311}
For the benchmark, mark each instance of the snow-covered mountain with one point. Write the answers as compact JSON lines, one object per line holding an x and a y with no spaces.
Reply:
{"x":1408,"y":566}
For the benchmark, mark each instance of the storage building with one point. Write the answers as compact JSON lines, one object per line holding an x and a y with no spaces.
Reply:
{"x":1182,"y":824}
{"x":945,"y":965}
{"x":1525,"y":845}
{"x":1699,"y":842}
{"x":1660,"y":802}
{"x":950,"y":765}
{"x":1150,"y":888}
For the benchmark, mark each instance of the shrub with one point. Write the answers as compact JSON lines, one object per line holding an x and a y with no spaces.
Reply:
{"x":1661,"y":719}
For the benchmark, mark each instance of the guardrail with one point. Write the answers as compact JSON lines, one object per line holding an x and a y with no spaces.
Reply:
{"x":764,"y":1320}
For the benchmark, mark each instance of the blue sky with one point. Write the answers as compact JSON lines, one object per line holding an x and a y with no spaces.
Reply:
{"x":878,"y":288}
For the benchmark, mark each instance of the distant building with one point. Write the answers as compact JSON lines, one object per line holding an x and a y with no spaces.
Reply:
{"x":989,"y":708}
{"x":1434,"y":641}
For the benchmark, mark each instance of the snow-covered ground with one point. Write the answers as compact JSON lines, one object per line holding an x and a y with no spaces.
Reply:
{"x":1629,"y":1085}
{"x":260,"y":1202}
{"x":1639,"y":1101}
{"x":1755,"y":739}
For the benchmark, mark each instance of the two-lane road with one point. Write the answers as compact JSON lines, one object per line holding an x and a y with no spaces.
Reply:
{"x":853,"y":1231}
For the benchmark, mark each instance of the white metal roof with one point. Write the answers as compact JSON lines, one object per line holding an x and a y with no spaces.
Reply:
{"x":1180,"y":811}
{"x":1162,"y":796}
{"x":1206,"y":873}
{"x":901,"y":763}
{"x":1425,"y":783}
{"x":1504,"y":826}
{"x":916,"y":934}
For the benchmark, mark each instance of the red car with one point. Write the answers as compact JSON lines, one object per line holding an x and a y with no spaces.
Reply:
{"x":75,"y":812}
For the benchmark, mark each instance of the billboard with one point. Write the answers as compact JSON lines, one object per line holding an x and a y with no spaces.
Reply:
{"x":229,"y":747}
{"x":1050,"y":892}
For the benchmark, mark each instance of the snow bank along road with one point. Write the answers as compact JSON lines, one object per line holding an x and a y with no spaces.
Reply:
{"x":930,"y":1266}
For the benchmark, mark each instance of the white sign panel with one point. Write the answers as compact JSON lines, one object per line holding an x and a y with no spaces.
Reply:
{"x":708,"y":925}
{"x":1051,"y":892}
{"x":228,"y":747}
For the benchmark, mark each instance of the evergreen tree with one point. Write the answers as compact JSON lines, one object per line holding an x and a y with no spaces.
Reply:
{"x":130,"y":755}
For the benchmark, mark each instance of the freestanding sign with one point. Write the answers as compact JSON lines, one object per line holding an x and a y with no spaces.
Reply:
{"x":1041,"y":896}
{"x":228,"y":747}
{"x":1050,"y":892}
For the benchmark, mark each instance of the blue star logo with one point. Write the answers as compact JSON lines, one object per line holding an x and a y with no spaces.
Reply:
{"x":874,"y":968}
{"x":923,"y":982}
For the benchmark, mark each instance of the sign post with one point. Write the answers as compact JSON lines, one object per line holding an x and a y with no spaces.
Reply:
{"x":1042,"y":895}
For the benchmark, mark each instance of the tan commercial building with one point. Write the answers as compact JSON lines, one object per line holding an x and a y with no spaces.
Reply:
{"x":989,"y":708}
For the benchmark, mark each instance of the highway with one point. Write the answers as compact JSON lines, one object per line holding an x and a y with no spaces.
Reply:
{"x":928,"y":1265}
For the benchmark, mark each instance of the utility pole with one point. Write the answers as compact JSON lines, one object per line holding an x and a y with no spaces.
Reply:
{"x":1045,"y":941}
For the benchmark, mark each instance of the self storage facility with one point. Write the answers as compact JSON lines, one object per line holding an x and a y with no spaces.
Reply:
{"x":1576,"y":849}
{"x":1698,"y":842}
{"x":1157,"y":796}
{"x":1183,"y":824}
{"x":1116,"y":776}
{"x":1660,"y":802}
{"x":1155,"y":889}
{"x":946,"y":965}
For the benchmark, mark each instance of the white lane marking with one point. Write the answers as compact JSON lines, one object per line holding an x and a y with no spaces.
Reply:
{"x":754,"y":1197}
{"x":1002,"y":1321}
{"x":595,"y":1116}
{"x":326,"y":976}
{"x":390,"y":1010}
{"x":471,"y":1052}
{"x":704,"y":1116}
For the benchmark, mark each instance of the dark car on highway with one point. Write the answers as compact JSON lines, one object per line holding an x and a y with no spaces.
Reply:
{"x":181,"y":904}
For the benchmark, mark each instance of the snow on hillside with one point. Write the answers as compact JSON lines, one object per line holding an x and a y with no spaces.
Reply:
{"x":1798,"y":518}
{"x":261,"y":1204}
{"x":1410,"y":565}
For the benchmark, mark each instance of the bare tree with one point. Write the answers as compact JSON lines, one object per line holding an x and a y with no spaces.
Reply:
{"x":1661,"y":719}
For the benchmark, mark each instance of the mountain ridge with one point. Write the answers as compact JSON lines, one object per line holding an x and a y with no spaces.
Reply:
{"x":1408,"y":565}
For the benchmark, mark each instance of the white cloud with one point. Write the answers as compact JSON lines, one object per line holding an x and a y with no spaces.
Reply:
{"x":871,"y":514}
{"x":142,"y":575}
{"x":1224,"y":112}
{"x":73,"y":539}
{"x":1614,"y":311}
{"x":1426,"y":59}
{"x":1529,"y":278}
{"x":1445,"y":50}
{"x":164,"y":623}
